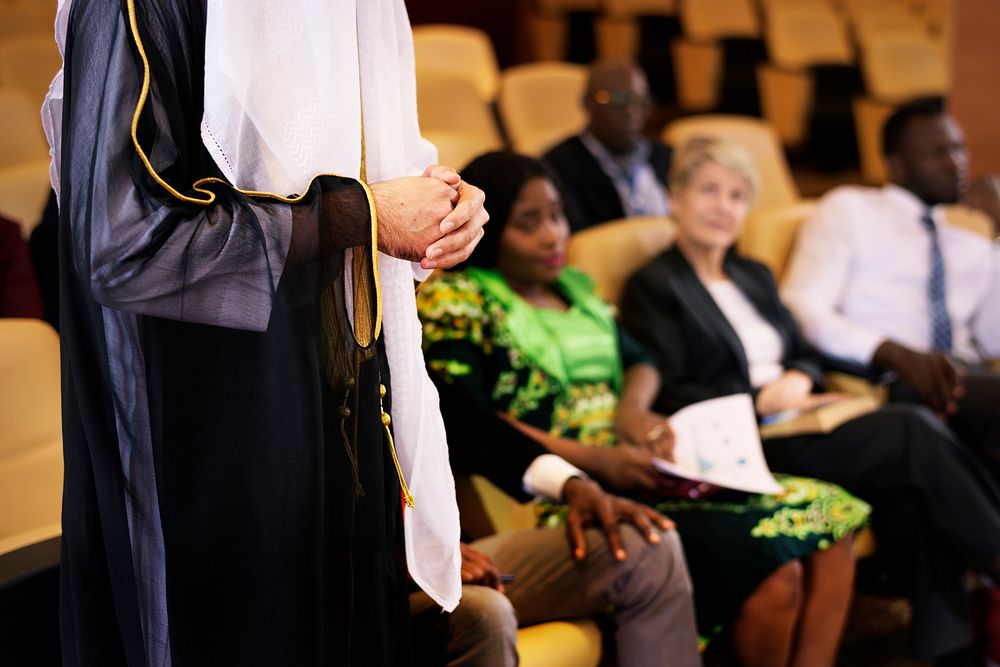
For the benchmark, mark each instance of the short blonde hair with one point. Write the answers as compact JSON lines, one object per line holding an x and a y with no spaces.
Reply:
{"x":699,"y":150}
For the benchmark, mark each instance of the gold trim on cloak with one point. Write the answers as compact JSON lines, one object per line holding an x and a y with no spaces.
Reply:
{"x":361,"y":310}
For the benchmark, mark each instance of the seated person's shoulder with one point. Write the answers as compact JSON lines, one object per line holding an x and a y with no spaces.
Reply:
{"x":566,"y":154}
{"x":849,"y":195}
{"x":654,"y":275}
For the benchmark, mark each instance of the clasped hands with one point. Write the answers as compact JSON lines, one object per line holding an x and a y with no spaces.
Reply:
{"x":436,"y":219}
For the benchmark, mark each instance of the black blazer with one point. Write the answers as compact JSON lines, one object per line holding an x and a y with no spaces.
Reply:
{"x":668,"y":310}
{"x":589,"y":193}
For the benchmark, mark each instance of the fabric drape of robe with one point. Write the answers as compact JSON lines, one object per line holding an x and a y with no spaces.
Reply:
{"x":211,"y":513}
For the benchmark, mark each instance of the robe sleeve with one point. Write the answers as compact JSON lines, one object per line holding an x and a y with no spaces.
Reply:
{"x":143,"y":248}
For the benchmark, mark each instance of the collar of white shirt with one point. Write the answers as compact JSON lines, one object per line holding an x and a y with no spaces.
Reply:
{"x":909,"y":205}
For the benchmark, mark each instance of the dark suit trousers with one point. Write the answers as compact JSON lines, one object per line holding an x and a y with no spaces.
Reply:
{"x":935,"y":513}
{"x":977,"y":421}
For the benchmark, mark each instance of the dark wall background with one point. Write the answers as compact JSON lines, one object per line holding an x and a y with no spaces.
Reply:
{"x":506,"y":22}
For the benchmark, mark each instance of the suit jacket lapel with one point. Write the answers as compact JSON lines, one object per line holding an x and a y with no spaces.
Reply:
{"x":692,"y":293}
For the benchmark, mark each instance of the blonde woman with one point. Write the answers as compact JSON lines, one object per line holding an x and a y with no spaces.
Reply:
{"x":714,"y":323}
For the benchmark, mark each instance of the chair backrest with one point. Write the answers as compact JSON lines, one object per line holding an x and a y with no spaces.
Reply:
{"x":485,"y":509}
{"x":542,"y":103}
{"x":458,"y":51}
{"x":29,"y":63}
{"x":796,"y":6}
{"x":969,"y":219}
{"x":21,"y":137}
{"x":457,"y":149}
{"x":897,"y":70}
{"x":715,"y":19}
{"x":26,"y":18}
{"x":451,"y":103}
{"x":24,"y":192}
{"x":562,"y":6}
{"x":759,"y":137}
{"x":640,"y":7}
{"x":30,"y":432}
{"x":797,"y":39}
{"x":857,"y":9}
{"x":611,"y":252}
{"x":870,"y":28}
{"x":769,"y":234}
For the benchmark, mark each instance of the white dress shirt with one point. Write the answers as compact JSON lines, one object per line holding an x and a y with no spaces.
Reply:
{"x":860,"y":271}
{"x":761,"y":342}
{"x":547,"y":475}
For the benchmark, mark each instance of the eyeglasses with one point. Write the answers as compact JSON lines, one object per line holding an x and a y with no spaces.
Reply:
{"x":619,"y":99}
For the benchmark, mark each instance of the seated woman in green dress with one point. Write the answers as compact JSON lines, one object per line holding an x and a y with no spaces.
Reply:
{"x":528,"y":337}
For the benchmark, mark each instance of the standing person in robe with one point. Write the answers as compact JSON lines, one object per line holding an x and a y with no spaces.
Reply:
{"x":235,"y":464}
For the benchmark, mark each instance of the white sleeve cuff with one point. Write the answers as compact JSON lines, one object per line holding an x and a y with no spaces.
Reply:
{"x":547,"y":475}
{"x":420,"y":274}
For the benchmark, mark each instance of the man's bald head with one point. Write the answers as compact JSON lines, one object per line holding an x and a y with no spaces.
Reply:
{"x":617,"y":101}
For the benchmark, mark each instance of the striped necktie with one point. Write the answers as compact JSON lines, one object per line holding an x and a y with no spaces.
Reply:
{"x":940,"y":319}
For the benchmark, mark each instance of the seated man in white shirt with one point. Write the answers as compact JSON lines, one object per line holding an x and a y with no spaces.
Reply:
{"x":880,"y":279}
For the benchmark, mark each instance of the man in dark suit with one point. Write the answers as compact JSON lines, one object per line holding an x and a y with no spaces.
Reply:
{"x":611,"y":170}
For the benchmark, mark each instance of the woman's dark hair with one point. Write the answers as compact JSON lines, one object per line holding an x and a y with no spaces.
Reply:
{"x":500,"y":175}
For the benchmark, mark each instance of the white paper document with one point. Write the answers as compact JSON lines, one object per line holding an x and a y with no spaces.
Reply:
{"x":717,"y":442}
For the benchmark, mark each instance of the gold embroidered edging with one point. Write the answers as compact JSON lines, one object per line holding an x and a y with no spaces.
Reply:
{"x":209,"y":198}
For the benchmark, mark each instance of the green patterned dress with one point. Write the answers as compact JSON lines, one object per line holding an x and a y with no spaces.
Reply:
{"x":561,"y":371}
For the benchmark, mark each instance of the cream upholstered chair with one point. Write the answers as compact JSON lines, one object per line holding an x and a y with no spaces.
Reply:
{"x":713,"y":19}
{"x":698,"y":56}
{"x":458,"y":51}
{"x":798,"y":38}
{"x":31,"y":475}
{"x":26,"y":17}
{"x":617,"y":29}
{"x":769,"y":234}
{"x":899,"y":69}
{"x":24,"y":160}
{"x":31,"y":466}
{"x":24,"y":192}
{"x":454,"y":118}
{"x":756,"y":135}
{"x":542,"y":104}
{"x":612,"y":251}
{"x":21,"y":138}
{"x":29,"y":63}
{"x":457,"y":149}
{"x":896,"y":68}
{"x":870,"y":116}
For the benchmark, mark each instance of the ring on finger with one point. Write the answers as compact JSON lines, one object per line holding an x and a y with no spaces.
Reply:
{"x":656,"y":432}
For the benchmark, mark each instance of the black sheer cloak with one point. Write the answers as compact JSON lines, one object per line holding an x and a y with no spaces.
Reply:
{"x":268,"y":554}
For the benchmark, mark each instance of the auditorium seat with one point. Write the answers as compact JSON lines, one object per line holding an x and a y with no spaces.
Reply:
{"x":612,"y":251}
{"x":458,"y":51}
{"x":756,"y":135}
{"x":541,"y":104}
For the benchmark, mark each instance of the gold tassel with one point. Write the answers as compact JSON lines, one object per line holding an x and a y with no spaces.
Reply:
{"x":386,"y":420}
